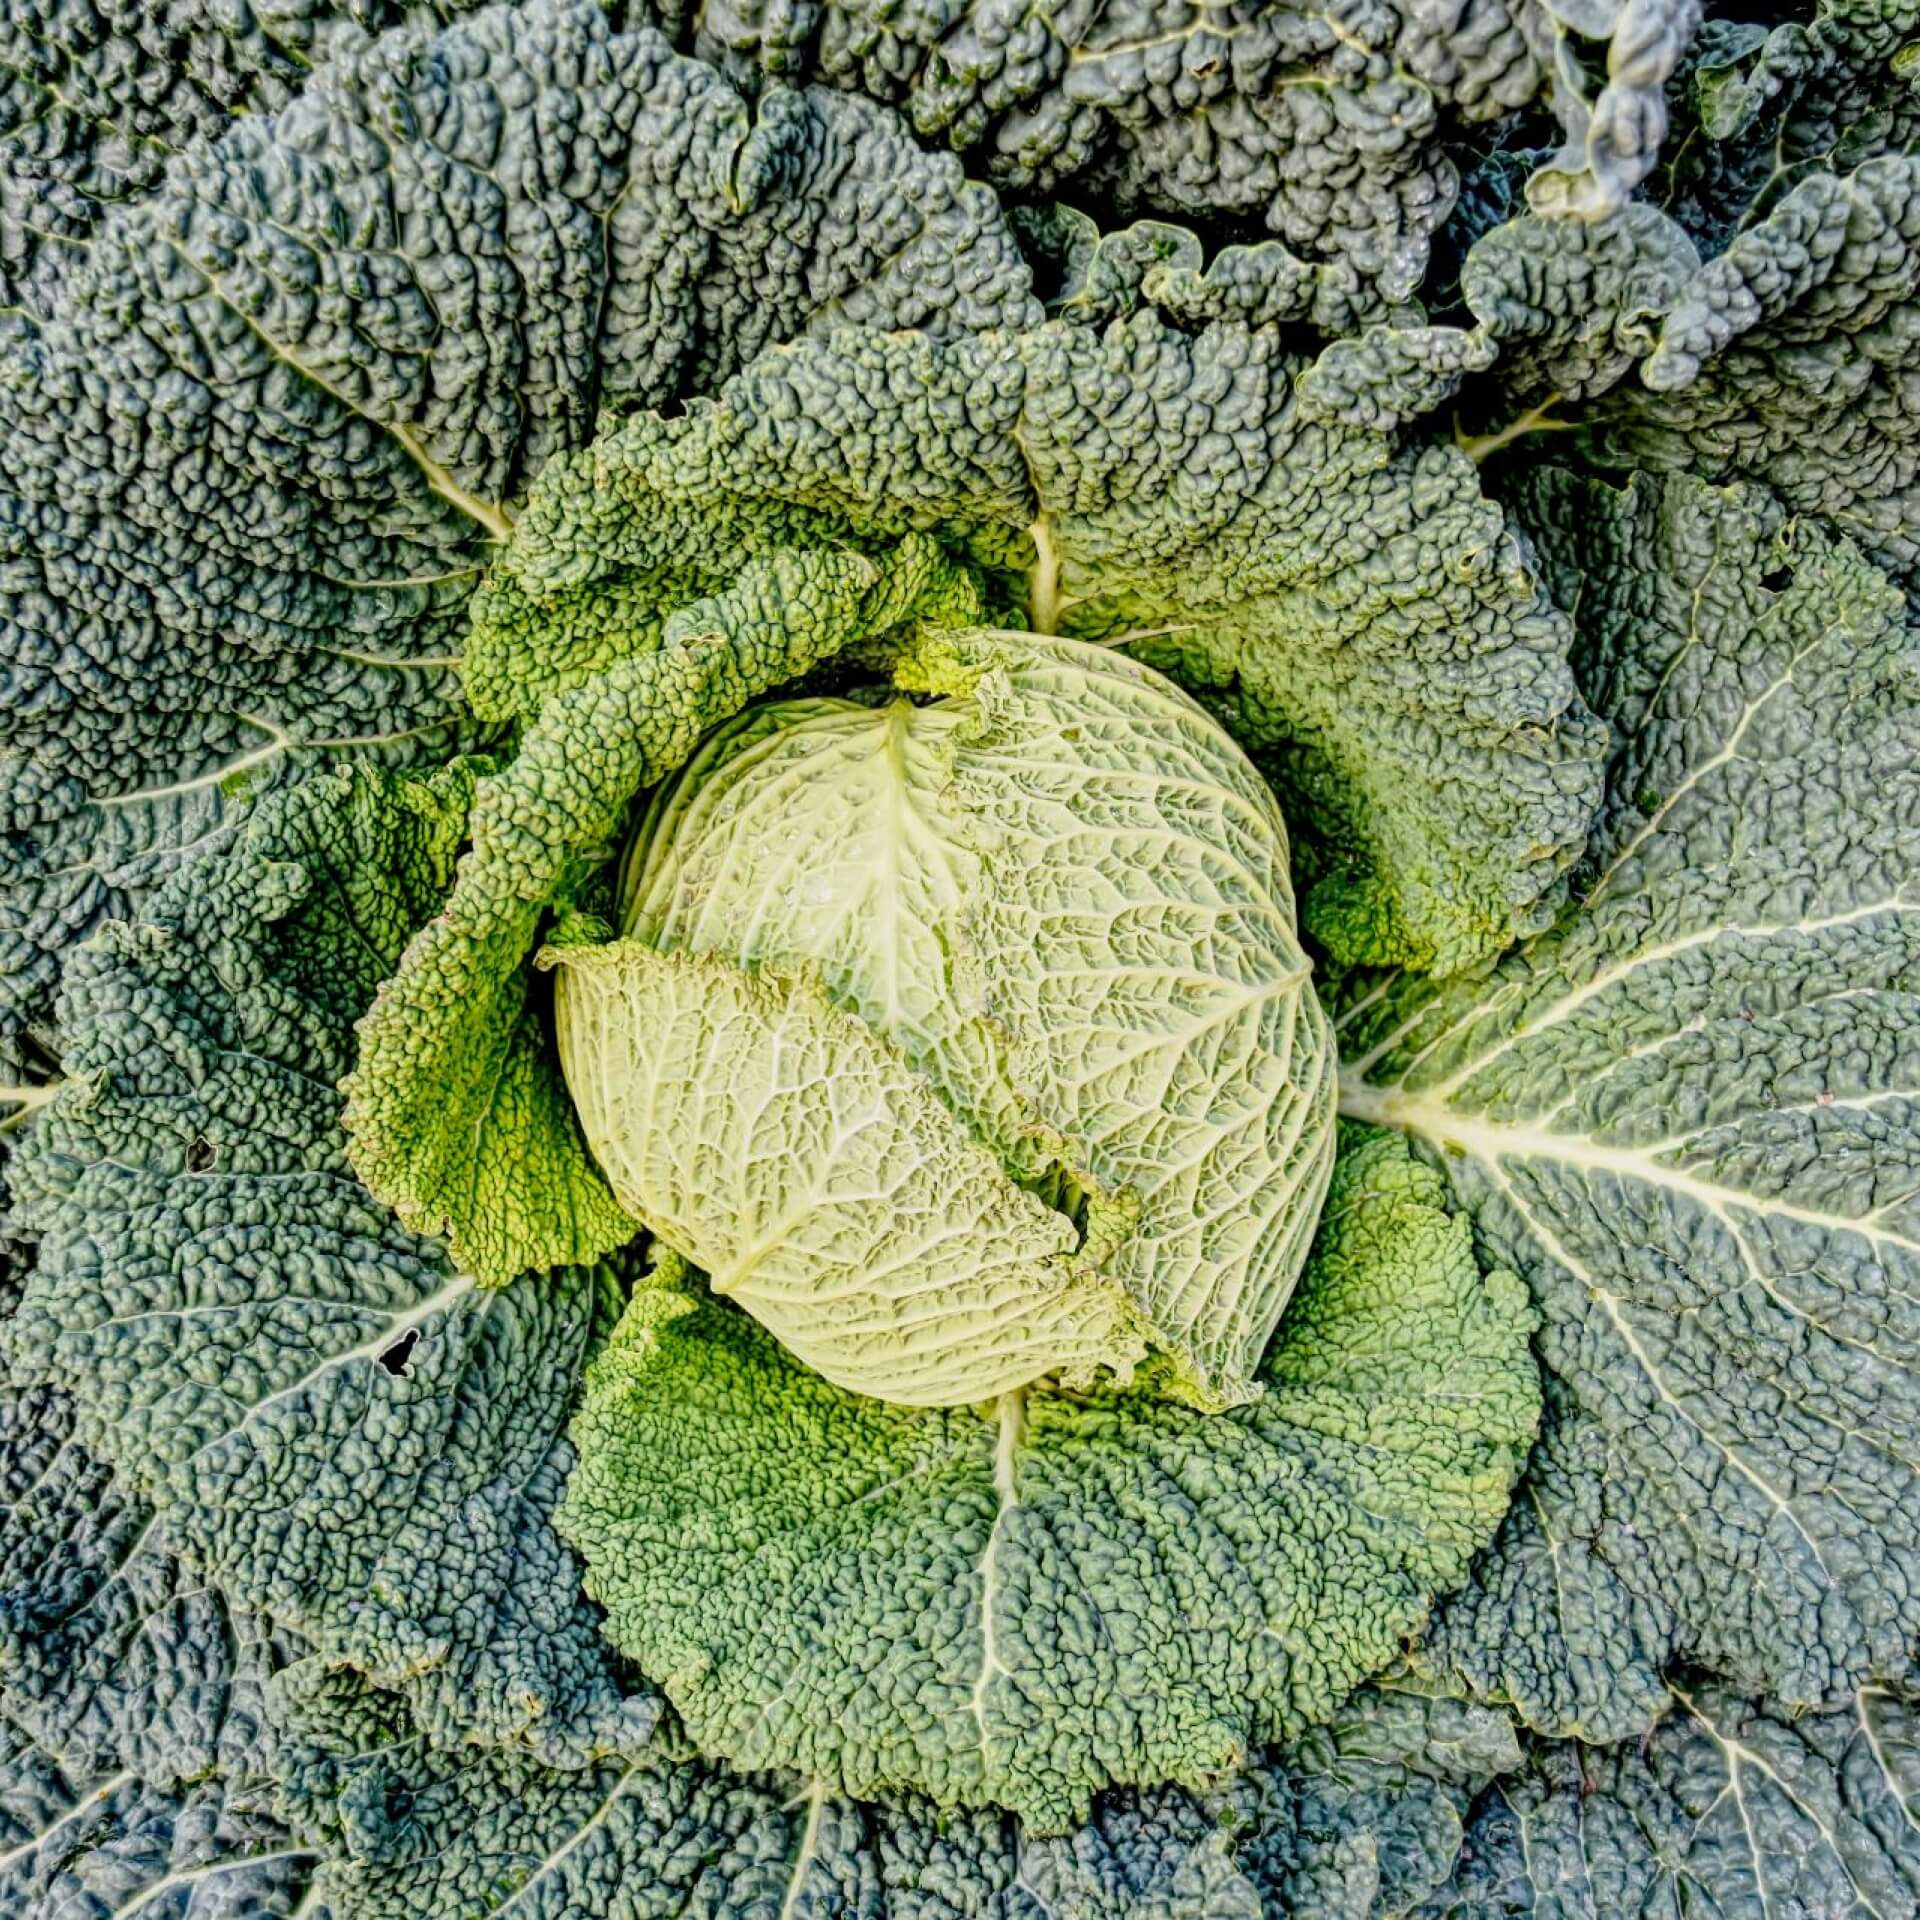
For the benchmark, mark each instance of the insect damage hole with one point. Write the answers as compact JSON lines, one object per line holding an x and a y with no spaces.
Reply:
{"x":398,"y":1358}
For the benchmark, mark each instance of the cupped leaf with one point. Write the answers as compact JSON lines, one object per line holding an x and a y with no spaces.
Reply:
{"x":752,"y":1124}
{"x":458,"y":1113}
{"x":1073,"y":1590}
{"x":1360,"y":616}
{"x":1687,"y":1118}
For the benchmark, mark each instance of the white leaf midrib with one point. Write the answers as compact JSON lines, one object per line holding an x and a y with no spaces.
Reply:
{"x":1494,"y":1141}
{"x":1010,"y":1413}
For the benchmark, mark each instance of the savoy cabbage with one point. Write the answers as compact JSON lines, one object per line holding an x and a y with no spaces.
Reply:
{"x":1154,"y":1053}
{"x":882,"y":1044}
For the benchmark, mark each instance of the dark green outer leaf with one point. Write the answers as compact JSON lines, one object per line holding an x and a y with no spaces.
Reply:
{"x":1728,"y":1807}
{"x":333,"y":1426}
{"x":1689,"y":1117}
{"x":257,"y":454}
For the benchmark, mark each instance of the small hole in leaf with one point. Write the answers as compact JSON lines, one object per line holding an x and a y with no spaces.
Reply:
{"x":398,"y":1358}
{"x":199,"y":1154}
{"x":1778,"y":581}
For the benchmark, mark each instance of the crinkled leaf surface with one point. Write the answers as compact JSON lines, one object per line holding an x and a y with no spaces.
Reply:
{"x":80,"y":1846}
{"x":135,"y":1756}
{"x":1362,"y":1818}
{"x":1091,"y":275}
{"x":333,"y":1425}
{"x":260,"y":448}
{"x":97,"y":99}
{"x":1758,"y":111}
{"x":1063,"y":892}
{"x":412,"y":1832}
{"x":1564,"y":309}
{"x":1359,"y":614}
{"x":1686,"y":1117}
{"x":754,"y":1125}
{"x":1024,"y":1606}
{"x":114,"y":1656}
{"x":1786,"y":359}
{"x":1365,"y":1815}
{"x":459,"y":1115}
{"x":1728,"y":1807}
{"x":1789,"y":360}
{"x":1329,"y":127}
{"x":148,"y":1789}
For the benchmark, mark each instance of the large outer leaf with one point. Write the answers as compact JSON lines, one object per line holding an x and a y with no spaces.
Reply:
{"x":114,"y":1656}
{"x":333,"y":1426}
{"x":96,"y":99}
{"x":135,"y":1754}
{"x":1076,"y":1590}
{"x":1064,"y":894}
{"x":1687,"y":1116}
{"x":417,"y":1835}
{"x":135,"y":1763}
{"x":257,"y":454}
{"x":1360,"y":1820}
{"x":1327,"y":124}
{"x":81,"y":1846}
{"x":1363,"y":1817}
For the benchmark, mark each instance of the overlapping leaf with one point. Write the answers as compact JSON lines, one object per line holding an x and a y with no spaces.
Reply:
{"x":1074,"y":1590}
{"x":333,"y":1426}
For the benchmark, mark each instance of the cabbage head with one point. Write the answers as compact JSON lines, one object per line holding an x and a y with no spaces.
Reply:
{"x":967,"y":1039}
